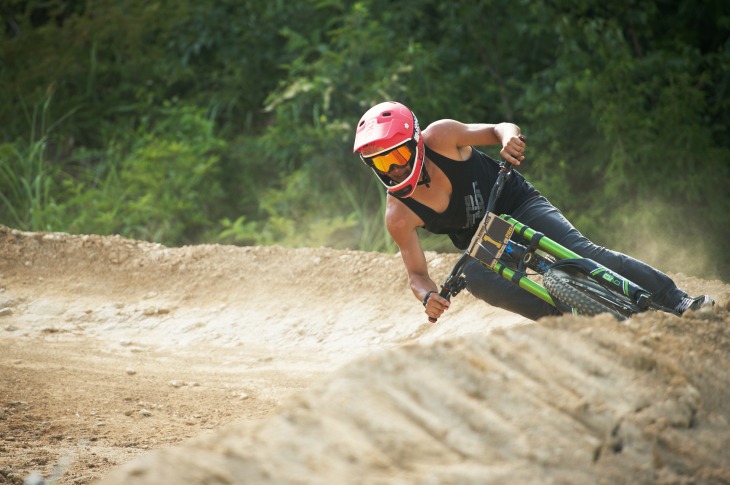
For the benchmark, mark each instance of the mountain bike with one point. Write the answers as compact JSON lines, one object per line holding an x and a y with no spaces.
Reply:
{"x":546,"y":269}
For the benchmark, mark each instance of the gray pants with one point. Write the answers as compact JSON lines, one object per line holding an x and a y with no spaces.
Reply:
{"x":538,"y":214}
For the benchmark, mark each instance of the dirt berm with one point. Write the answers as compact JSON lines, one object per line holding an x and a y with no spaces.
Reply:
{"x":126,"y":362}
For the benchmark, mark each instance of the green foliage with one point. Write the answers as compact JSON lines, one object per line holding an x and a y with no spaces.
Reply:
{"x":228,"y":121}
{"x":25,"y":187}
{"x":635,"y":107}
{"x":164,"y":189}
{"x":27,"y":175}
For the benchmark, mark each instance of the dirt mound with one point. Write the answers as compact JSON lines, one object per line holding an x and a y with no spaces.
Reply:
{"x":275,"y":365}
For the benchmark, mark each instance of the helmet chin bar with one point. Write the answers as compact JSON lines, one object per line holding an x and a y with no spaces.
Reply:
{"x":405,"y":188}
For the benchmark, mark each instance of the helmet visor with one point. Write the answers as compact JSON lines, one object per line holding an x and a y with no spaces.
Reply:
{"x":384,"y":162}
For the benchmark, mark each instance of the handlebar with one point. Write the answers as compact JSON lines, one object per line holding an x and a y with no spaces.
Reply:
{"x":456,"y":281}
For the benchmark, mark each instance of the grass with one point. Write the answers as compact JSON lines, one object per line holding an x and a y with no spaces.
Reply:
{"x":26,"y":176}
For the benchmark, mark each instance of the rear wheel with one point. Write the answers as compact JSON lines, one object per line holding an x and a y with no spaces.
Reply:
{"x":586,"y":297}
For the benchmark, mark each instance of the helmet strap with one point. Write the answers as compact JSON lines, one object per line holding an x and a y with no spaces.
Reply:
{"x":425,"y":177}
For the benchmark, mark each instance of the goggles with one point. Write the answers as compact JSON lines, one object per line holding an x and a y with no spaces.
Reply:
{"x":396,"y":157}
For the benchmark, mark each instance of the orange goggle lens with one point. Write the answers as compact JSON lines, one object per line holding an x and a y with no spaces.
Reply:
{"x":399,"y":157}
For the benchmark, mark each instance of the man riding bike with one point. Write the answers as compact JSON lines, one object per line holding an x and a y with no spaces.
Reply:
{"x":437,"y":180}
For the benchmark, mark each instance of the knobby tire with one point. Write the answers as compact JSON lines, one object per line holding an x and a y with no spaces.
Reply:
{"x":570,"y":289}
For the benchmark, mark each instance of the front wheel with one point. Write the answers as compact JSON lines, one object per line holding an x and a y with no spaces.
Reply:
{"x":584,"y":296}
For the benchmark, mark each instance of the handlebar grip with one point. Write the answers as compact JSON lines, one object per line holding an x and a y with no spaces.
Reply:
{"x":444,"y":293}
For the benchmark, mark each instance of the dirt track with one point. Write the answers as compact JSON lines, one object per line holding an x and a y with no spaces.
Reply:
{"x":269,"y":365}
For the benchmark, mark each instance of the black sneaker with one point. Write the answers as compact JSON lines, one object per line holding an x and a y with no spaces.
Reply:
{"x":694,"y":304}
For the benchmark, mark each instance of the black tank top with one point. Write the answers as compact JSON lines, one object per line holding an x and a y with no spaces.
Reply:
{"x":471,"y":182}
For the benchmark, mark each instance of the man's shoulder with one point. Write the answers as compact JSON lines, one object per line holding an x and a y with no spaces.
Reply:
{"x":440,"y":129}
{"x":441,"y":137}
{"x":398,"y":214}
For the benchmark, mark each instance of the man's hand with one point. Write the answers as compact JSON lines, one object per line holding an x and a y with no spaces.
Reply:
{"x":513,"y":151}
{"x":436,"y":305}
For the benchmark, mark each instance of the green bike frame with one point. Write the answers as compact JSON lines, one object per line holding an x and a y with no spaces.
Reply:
{"x":537,"y":240}
{"x":546,"y":244}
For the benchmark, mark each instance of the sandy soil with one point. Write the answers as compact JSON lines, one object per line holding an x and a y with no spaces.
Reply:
{"x":128,"y":362}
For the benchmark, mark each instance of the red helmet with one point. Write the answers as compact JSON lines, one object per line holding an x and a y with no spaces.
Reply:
{"x":388,"y":134}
